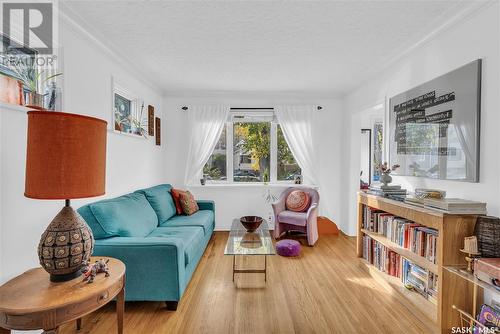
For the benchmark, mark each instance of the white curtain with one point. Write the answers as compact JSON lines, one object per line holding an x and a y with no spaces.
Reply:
{"x":297,"y":124}
{"x":206,"y":124}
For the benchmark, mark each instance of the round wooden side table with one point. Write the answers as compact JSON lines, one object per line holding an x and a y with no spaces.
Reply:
{"x":31,"y":301}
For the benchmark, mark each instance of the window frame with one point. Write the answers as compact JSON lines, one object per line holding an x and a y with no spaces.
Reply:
{"x":256,"y":117}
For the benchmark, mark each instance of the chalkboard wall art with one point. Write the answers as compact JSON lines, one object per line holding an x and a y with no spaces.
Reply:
{"x":434,"y":128}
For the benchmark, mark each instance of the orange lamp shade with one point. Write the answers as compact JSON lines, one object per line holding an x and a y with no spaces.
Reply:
{"x":66,"y":156}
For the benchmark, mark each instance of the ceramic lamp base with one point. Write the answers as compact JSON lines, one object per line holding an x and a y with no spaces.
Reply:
{"x":66,"y":245}
{"x":66,"y":277}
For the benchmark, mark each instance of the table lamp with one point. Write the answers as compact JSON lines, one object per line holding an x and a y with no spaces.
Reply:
{"x":66,"y":159}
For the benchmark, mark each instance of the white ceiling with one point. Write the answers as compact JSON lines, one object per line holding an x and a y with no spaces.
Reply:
{"x":261,"y":46}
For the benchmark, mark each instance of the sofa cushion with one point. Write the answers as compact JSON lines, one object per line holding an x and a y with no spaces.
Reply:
{"x":298,"y":201}
{"x":203,"y":218}
{"x":190,"y":236}
{"x":161,"y":200}
{"x":293,"y":218}
{"x":188,"y":203}
{"x":125,"y":216}
{"x":176,"y":195}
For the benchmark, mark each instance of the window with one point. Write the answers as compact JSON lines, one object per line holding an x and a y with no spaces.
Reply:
{"x":257,"y":152}
{"x":251,"y":151}
{"x":288,"y":169}
{"x":215,"y":168}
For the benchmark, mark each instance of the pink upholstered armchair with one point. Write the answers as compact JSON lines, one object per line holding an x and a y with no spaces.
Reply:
{"x":297,"y":221}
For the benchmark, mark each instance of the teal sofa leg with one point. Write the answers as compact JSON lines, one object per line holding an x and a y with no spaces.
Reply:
{"x":172,"y":305}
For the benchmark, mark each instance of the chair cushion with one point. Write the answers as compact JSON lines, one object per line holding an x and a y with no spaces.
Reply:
{"x":288,"y":248}
{"x":293,"y":218}
{"x":188,"y":203}
{"x":176,"y":195}
{"x":191,"y":237}
{"x":161,"y":200}
{"x":202,"y":218}
{"x":125,"y":216}
{"x":298,"y":201}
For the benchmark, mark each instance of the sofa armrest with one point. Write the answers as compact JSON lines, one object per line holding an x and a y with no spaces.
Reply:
{"x":155,"y":267}
{"x":206,"y":205}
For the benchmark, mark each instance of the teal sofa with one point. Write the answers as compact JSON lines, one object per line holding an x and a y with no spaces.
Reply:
{"x":159,"y":248}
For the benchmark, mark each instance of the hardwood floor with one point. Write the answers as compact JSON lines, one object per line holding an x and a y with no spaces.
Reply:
{"x":327,"y":290}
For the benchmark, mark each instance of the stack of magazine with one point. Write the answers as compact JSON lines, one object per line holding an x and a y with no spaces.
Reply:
{"x":456,"y":205}
{"x":390,"y":191}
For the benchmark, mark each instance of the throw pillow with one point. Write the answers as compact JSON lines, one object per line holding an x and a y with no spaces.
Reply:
{"x":176,"y":195}
{"x":298,"y":201}
{"x":188,"y":203}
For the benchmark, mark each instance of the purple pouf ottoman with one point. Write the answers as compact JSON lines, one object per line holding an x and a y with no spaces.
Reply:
{"x":288,"y":248}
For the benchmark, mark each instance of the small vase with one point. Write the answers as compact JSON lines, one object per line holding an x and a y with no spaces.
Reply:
{"x":386,"y":178}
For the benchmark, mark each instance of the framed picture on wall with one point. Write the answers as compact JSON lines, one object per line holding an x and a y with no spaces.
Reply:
{"x":128,"y":113}
{"x":434,"y":127}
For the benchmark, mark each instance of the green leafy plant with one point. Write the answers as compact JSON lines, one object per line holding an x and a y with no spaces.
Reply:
{"x":31,"y":78}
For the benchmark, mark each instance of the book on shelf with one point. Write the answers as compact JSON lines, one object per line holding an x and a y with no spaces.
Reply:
{"x":386,"y":191}
{"x":455,"y":205}
{"x":417,"y":238}
{"x":411,"y":275}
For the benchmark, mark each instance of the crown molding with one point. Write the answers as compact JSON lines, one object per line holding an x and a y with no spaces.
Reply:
{"x":74,"y":20}
{"x":473,"y":9}
{"x":253,"y":94}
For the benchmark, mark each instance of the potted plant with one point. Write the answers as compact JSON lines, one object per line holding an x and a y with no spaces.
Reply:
{"x":32,"y":80}
{"x":385,"y":171}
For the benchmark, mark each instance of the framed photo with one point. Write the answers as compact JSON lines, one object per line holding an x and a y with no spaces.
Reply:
{"x":158,"y":131}
{"x":151,"y":120}
{"x":128,"y":114}
{"x":434,"y":127}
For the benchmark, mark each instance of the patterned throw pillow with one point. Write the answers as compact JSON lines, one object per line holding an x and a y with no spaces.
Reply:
{"x":297,"y":201}
{"x":188,"y":203}
{"x":176,"y":195}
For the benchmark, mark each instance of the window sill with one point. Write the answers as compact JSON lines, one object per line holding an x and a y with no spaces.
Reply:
{"x":252,"y":185}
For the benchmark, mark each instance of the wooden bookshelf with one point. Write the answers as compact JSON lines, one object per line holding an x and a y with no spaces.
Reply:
{"x":452,"y":229}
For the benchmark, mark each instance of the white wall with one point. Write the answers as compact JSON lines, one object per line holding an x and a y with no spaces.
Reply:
{"x":235,"y":201}
{"x":475,"y":37}
{"x":132,"y":163}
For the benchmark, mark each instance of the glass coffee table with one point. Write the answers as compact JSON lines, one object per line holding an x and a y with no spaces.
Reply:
{"x":243,"y":243}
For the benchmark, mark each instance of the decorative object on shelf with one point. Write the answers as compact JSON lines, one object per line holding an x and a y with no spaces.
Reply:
{"x":158,"y":131}
{"x":53,"y":97}
{"x":385,"y":172}
{"x":251,"y":223}
{"x":288,"y":248}
{"x":91,"y":270}
{"x":487,"y":231}
{"x":151,"y":120}
{"x":429,"y":193}
{"x":488,"y":270}
{"x":438,"y":121}
{"x":33,"y":80}
{"x":470,"y":248}
{"x":203,"y":180}
{"x":66,"y":159}
{"x":298,"y":179}
{"x":11,"y":90}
